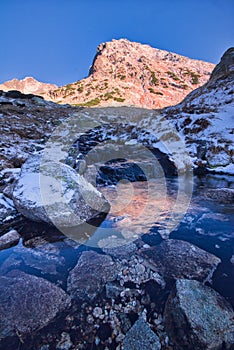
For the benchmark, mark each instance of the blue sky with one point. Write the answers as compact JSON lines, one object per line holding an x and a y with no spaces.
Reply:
{"x":55,"y":40}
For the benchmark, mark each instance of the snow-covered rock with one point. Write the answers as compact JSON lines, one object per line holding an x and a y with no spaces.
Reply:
{"x":55,"y":193}
{"x":205,"y":119}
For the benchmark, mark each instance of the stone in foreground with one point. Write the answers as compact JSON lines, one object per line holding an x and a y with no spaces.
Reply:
{"x":90,"y":275}
{"x":28,"y":303}
{"x":55,"y":193}
{"x":198,"y":318}
{"x":141,"y":337}
{"x":179,"y":259}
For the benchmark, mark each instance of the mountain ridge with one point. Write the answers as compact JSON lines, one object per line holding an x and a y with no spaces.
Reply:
{"x":131,"y":74}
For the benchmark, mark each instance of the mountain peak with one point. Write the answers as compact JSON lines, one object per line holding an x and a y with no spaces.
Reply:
{"x":130,"y":73}
{"x":127,"y":73}
{"x":29,"y":79}
{"x":28,"y":85}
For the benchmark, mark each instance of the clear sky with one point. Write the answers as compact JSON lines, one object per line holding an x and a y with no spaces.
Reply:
{"x":55,"y":40}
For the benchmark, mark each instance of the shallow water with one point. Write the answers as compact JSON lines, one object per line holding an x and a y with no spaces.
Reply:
{"x":149,"y":211}
{"x":139,"y":209}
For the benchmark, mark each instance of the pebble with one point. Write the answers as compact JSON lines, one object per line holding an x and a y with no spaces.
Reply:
{"x":97,"y":341}
{"x":158,"y":321}
{"x":65,"y":342}
{"x":97,"y":312}
{"x":90,"y":319}
{"x":124,"y":272}
{"x":119,"y":338}
{"x":146,"y":246}
{"x":140,"y":269}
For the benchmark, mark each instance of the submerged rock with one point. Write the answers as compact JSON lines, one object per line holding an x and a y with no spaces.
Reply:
{"x":47,"y":263}
{"x":179,"y":259}
{"x":28,"y":303}
{"x":90,"y":275}
{"x":198,"y":318}
{"x":124,"y":251}
{"x":141,"y":337}
{"x":221,"y":195}
{"x":55,"y":193}
{"x":10,"y":239}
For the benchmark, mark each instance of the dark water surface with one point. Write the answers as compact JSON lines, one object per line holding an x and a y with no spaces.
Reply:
{"x":135,"y":213}
{"x":207,"y":224}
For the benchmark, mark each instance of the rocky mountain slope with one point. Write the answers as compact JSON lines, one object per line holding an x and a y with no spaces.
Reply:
{"x":197,"y":133}
{"x":29,"y":85}
{"x":129,"y":73}
{"x":205,"y":118}
{"x":26,"y":122}
{"x":126,"y":73}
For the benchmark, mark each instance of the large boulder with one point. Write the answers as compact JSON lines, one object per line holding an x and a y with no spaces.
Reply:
{"x":198,"y":318}
{"x":28,"y":303}
{"x":179,"y":259}
{"x":141,"y":337}
{"x":55,"y":193}
{"x":90,"y":275}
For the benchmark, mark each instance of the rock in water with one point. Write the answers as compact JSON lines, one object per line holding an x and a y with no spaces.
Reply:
{"x":179,"y":259}
{"x":141,"y":337}
{"x":90,"y":275}
{"x":28,"y":303}
{"x":55,"y":193}
{"x":221,"y":195}
{"x":198,"y":318}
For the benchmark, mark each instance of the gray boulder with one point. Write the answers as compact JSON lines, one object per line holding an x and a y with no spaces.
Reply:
{"x":198,"y":318}
{"x":9,"y":239}
{"x":90,"y":275}
{"x":179,"y":259}
{"x":28,"y":303}
{"x":55,"y":193}
{"x":141,"y":337}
